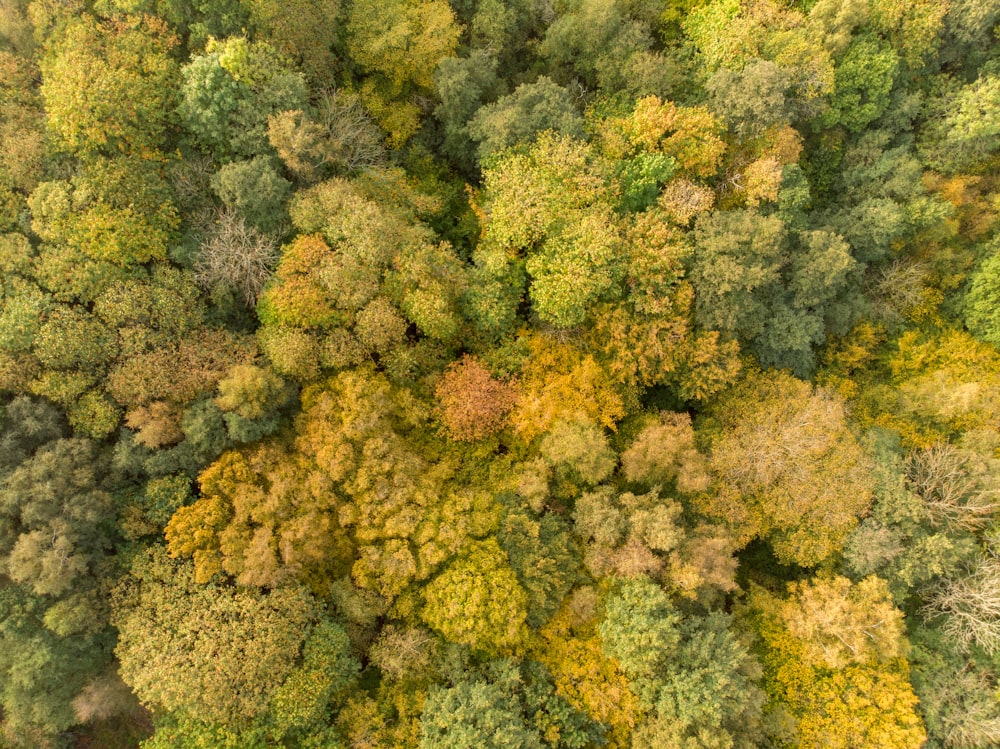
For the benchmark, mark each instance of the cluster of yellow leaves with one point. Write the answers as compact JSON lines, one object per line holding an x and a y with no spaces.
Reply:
{"x":560,"y":382}
{"x":942,"y":382}
{"x":691,"y":135}
{"x":831,"y":685}
{"x":593,"y":683}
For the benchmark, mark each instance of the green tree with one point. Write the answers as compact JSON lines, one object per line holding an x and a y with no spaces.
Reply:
{"x":110,"y":85}
{"x":964,"y":136}
{"x":53,"y":510}
{"x":228,"y":652}
{"x":255,"y":190}
{"x":640,"y":630}
{"x":901,"y":539}
{"x":709,"y":695}
{"x":304,"y":31}
{"x":398,"y":44}
{"x":983,"y":300}
{"x":519,"y":117}
{"x":475,"y":714}
{"x":43,"y":671}
{"x":463,"y":85}
{"x":605,"y":47}
{"x":27,"y":425}
{"x":510,"y":706}
{"x":750,"y":100}
{"x":477,"y":601}
{"x":572,"y":262}
{"x":749,"y":285}
{"x":228,"y":93}
{"x":863,"y":80}
{"x":545,"y":559}
{"x":956,"y":691}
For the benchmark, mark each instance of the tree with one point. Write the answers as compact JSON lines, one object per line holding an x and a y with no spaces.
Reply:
{"x":398,"y":44}
{"x":955,"y":689}
{"x":236,"y":256}
{"x":255,"y":191}
{"x":627,"y":534}
{"x":736,"y":267}
{"x":981,"y":301}
{"x":473,"y":403}
{"x":931,"y":370}
{"x":477,"y":601}
{"x":709,"y":695}
{"x":863,"y":79}
{"x":751,"y":100}
{"x":252,"y":522}
{"x":27,"y":425}
{"x":338,"y":137}
{"x":110,"y":85}
{"x":519,"y":117}
{"x":746,"y":286}
{"x":476,"y":714}
{"x":956,"y":492}
{"x":790,"y":469}
{"x":863,"y":703}
{"x":229,"y":652}
{"x":602,"y":45}
{"x":53,"y":509}
{"x":590,"y":680}
{"x":305,"y":32}
{"x":900,"y":540}
{"x":839,"y":623}
{"x":463,"y":85}
{"x":578,"y":450}
{"x":560,"y":382}
{"x":228,"y":93}
{"x":371,"y":271}
{"x":970,"y":606}
{"x":664,"y":453}
{"x":43,"y":671}
{"x":545,"y":559}
{"x":640,"y":630}
{"x":510,"y":707}
{"x":572,"y":262}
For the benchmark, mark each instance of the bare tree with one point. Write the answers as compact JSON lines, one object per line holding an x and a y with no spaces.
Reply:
{"x":341,"y":138}
{"x":953,"y":491}
{"x":236,"y":256}
{"x":970,"y":605}
{"x":900,"y":288}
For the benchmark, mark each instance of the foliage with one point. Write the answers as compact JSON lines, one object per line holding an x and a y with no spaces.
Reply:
{"x":222,"y":653}
{"x":110,"y":85}
{"x":519,"y":117}
{"x":811,"y":705}
{"x":477,"y":600}
{"x":431,"y":373}
{"x":473,"y":403}
{"x":228,"y":93}
{"x":787,"y":467}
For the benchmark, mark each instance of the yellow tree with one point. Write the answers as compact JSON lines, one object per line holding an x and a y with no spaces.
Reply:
{"x":787,"y":467}
{"x":399,"y":43}
{"x":110,"y":85}
{"x":834,"y":667}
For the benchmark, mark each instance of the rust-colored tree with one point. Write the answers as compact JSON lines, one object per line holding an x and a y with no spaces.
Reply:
{"x":474,"y":404}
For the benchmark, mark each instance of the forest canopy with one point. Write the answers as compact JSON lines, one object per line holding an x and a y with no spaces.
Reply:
{"x":510,"y":374}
